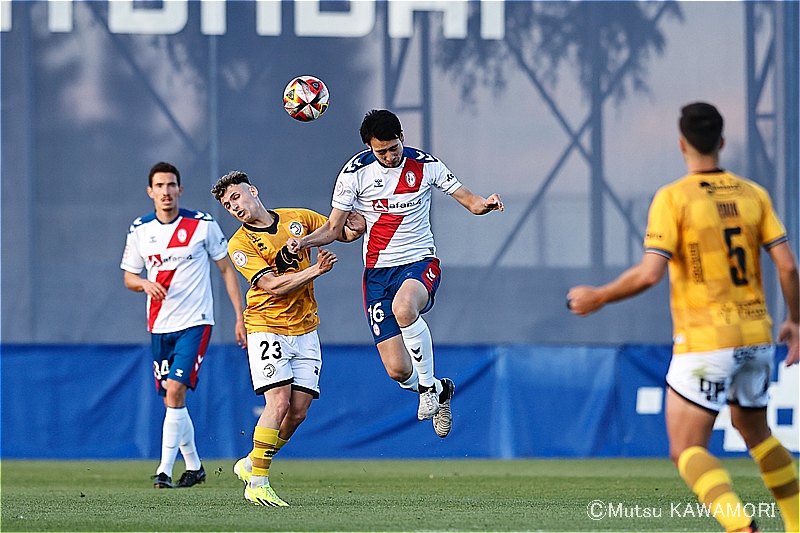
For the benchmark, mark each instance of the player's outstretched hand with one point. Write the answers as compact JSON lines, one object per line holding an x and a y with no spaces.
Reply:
{"x":325,"y":260}
{"x":789,"y":333}
{"x":583,"y":300}
{"x":493,"y":203}
{"x":294,"y":245}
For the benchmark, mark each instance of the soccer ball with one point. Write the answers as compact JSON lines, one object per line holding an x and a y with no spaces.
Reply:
{"x":306,"y":98}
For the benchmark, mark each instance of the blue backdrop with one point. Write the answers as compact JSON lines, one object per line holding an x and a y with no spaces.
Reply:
{"x":99,"y":402}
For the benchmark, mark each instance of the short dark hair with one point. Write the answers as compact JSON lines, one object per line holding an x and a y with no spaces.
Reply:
{"x":231,"y":178}
{"x":701,"y":125}
{"x":163,"y":167}
{"x":380,"y":124}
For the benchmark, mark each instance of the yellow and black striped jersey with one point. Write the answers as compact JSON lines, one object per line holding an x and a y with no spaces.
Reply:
{"x":711,"y":227}
{"x":257,"y":251}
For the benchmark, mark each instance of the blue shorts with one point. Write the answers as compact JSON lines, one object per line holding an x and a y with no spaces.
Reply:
{"x":382,"y":284}
{"x":178,"y":356}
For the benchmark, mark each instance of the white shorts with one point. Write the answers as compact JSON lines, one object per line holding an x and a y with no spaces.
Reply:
{"x":732,"y":375}
{"x":277,"y":360}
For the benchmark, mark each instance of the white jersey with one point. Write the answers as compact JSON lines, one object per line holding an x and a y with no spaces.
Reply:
{"x":176,"y":255}
{"x":396,"y":203}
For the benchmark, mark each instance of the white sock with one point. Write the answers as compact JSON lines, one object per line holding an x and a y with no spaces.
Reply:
{"x":170,"y":438}
{"x":188,"y":448}
{"x":412,"y":382}
{"x":257,"y":481}
{"x":417,"y":338}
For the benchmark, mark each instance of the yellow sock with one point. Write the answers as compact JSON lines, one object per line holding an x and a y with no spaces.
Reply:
{"x":780,"y":477}
{"x":280,"y":444}
{"x":712,"y":485}
{"x":264,"y":447}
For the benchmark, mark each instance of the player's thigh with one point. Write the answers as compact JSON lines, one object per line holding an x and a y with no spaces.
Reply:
{"x":270,"y":366}
{"x":688,"y":424}
{"x":410,"y":300}
{"x":748,"y":391}
{"x":420,"y":295}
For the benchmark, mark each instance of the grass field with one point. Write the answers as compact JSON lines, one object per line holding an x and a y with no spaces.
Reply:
{"x":451,"y":495}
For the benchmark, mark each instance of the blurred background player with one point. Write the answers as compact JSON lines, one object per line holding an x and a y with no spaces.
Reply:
{"x":281,"y":320}
{"x":708,"y":228}
{"x":391,"y":186}
{"x":175,"y":246}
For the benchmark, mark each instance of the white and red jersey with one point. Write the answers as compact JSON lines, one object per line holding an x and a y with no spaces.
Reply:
{"x":396,"y":203}
{"x":176,"y":255}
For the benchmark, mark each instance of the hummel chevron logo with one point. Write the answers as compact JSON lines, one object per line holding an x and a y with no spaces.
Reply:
{"x":416,"y":351}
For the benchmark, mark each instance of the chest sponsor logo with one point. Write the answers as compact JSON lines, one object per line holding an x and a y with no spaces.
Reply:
{"x":295,"y":228}
{"x":239,"y":258}
{"x":155,"y":260}
{"x":384,"y":205}
{"x":411,"y":179}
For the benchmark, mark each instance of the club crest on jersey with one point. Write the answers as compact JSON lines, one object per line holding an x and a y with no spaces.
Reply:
{"x":295,"y":228}
{"x":181,"y":235}
{"x":339,"y":189}
{"x":155,"y":260}
{"x":411,"y":179}
{"x":239,"y":258}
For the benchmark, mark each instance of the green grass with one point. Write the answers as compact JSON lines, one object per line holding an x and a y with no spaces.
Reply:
{"x":446,"y":495}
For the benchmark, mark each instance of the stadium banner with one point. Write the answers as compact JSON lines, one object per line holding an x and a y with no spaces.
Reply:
{"x":511,"y":401}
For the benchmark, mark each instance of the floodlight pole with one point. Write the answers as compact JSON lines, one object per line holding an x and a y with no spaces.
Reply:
{"x":772,"y":115}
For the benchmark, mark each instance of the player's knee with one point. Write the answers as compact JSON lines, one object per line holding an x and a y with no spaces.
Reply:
{"x":296,"y":417}
{"x":277,"y":408}
{"x":675,"y":455}
{"x":405,"y":312}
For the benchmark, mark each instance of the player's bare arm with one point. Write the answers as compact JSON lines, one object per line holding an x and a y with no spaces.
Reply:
{"x":330,"y":231}
{"x":235,"y":294}
{"x":286,"y":283}
{"x":478,"y":205}
{"x":789,"y":331}
{"x":583,"y":300}
{"x":136,"y":283}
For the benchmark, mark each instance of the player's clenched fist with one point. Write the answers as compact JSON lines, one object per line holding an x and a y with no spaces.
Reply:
{"x":294,"y":245}
{"x":493,"y":203}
